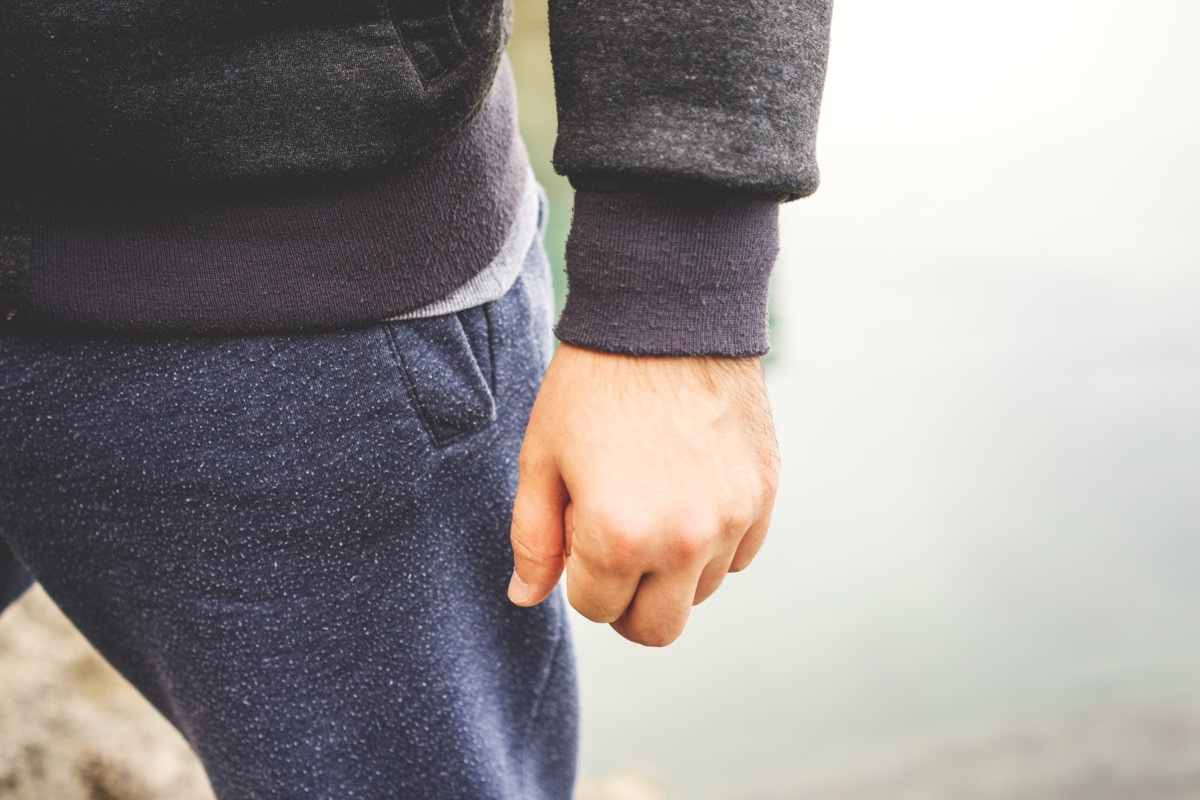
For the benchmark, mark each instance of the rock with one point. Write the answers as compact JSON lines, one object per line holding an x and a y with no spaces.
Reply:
{"x":73,"y":729}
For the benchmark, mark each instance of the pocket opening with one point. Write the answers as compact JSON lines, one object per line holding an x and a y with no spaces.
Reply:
{"x":446,"y":365}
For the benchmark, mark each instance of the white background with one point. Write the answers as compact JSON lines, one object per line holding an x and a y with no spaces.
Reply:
{"x":986,"y":380}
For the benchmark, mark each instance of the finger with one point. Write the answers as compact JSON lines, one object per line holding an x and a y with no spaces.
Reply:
{"x":711,"y":578}
{"x":750,"y":544}
{"x":720,"y":565}
{"x":537,"y":536}
{"x":601,"y":595}
{"x":660,"y":608}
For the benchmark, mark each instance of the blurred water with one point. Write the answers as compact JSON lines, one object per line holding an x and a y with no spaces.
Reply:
{"x":987,"y":389}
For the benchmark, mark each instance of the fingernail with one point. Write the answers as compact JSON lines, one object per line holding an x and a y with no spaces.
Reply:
{"x":518,"y":590}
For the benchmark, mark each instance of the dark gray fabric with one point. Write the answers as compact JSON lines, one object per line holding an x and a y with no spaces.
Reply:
{"x":660,"y":273}
{"x":677,"y":119}
{"x":145,"y":91}
{"x":659,"y":100}
{"x":15,"y":242}
{"x":716,"y":92}
{"x":318,"y":255}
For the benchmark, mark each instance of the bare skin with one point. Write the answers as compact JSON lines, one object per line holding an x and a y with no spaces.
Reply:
{"x":646,"y":480}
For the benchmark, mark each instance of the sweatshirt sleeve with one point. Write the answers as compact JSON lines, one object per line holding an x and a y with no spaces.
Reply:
{"x":682,"y":125}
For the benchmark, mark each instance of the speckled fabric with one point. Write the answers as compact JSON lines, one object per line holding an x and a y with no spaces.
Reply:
{"x":296,"y":546}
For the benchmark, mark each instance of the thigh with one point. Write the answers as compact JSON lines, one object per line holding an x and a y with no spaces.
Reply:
{"x":297,"y":546}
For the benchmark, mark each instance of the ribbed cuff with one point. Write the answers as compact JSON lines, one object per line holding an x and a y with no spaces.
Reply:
{"x":669,"y":272}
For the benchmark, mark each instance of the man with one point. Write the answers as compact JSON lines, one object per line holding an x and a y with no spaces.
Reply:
{"x":275,"y":303}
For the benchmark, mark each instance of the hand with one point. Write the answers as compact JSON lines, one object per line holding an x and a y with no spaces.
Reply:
{"x":647,"y":479}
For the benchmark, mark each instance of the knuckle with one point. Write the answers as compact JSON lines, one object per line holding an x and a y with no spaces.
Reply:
{"x":692,"y":540}
{"x":759,"y":496}
{"x":740,"y":519}
{"x":619,"y":541}
{"x":759,"y":488}
{"x":623,"y":539}
{"x":620,"y":545}
{"x":531,"y":462}
{"x":690,"y":545}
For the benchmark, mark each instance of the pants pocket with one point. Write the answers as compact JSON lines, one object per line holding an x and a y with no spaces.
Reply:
{"x":446,"y":365}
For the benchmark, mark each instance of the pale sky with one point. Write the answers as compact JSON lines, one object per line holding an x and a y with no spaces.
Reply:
{"x":1032,"y":131}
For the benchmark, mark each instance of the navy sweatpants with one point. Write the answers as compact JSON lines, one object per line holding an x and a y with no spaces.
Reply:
{"x":296,"y":546}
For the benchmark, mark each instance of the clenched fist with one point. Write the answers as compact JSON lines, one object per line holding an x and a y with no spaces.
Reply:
{"x":647,"y":479}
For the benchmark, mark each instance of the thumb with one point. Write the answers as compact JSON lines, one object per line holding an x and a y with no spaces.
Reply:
{"x":537,"y":535}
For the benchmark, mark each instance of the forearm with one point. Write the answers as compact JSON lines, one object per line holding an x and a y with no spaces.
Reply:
{"x":682,"y":127}
{"x":722,"y":94}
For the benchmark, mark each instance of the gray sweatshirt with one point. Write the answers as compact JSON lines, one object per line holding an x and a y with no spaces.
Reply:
{"x":275,"y":165}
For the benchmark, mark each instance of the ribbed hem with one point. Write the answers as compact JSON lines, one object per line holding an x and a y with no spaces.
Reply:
{"x":347,"y":250}
{"x":669,"y":273}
